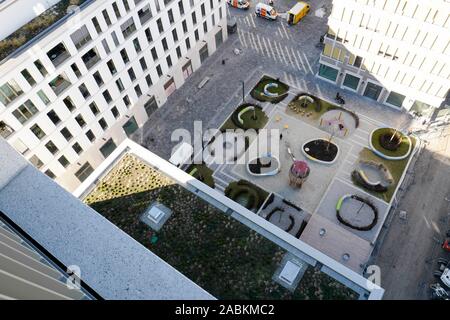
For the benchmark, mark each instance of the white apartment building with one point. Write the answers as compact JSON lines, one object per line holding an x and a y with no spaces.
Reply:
{"x":396,"y":52}
{"x":76,"y":90}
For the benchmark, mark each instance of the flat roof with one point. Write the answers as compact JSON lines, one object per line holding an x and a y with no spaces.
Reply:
{"x":112,"y":263}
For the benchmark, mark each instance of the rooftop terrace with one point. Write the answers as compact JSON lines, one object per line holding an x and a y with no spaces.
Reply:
{"x":217,"y":252}
{"x":37,"y":26}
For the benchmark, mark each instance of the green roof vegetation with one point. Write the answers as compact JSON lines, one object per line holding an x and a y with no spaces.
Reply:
{"x":31,"y":29}
{"x":223,"y":256}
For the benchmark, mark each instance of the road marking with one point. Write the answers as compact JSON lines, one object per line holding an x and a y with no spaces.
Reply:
{"x":259,"y":43}
{"x":301,"y":61}
{"x":307,"y":62}
{"x":296,"y":60}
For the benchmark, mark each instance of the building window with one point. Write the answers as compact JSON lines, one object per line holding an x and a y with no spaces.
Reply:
{"x":128,"y":28}
{"x":108,"y":148}
{"x":98,"y":78}
{"x":351,"y":81}
{"x":170,"y":15}
{"x":372,"y":91}
{"x":9,"y":92}
{"x":69,"y":104}
{"x":149,"y":81}
{"x":59,"y":84}
{"x":154,"y":54}
{"x":35,"y":161}
{"x":106,"y":46}
{"x":115,"y":112}
{"x":90,"y":135}
{"x":124,"y":55}
{"x":96,"y":25}
{"x":38,"y":132}
{"x":328,"y":72}
{"x":43,"y":97}
{"x":102,"y":122}
{"x":130,"y":127}
{"x":131,"y":74}
{"x":66,"y":134}
{"x":138,"y":90}
{"x":53,"y":117}
{"x":106,"y":17}
{"x":51,"y":147}
{"x":64,"y":162}
{"x":119,"y":85}
{"x":80,"y":120}
{"x":219,"y":38}
{"x":50,"y":174}
{"x":5,"y":130}
{"x":143,"y":64}
{"x":81,"y":37}
{"x":58,"y":54}
{"x":76,"y":70}
{"x":395,"y":99}
{"x":107,"y":96}
{"x":84,"y":172}
{"x":41,"y":67}
{"x":25,"y":111}
{"x":111,"y":67}
{"x":77,"y":148}
{"x":84,"y":91}
{"x":160,"y":25}
{"x":127,"y":101}
{"x":26,"y":74}
{"x":94,"y":109}
{"x":204,"y":53}
{"x":90,"y":58}
{"x":116,"y":10}
{"x":145,"y":14}
{"x":137,"y":45}
{"x":148,"y":35}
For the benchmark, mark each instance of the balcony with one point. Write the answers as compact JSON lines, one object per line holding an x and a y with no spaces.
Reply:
{"x":58,"y":54}
{"x":90,"y":58}
{"x":59,"y":84}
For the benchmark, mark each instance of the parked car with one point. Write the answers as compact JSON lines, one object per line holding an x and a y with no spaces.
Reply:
{"x":265,"y":11}
{"x":240,"y":4}
{"x":297,"y":12}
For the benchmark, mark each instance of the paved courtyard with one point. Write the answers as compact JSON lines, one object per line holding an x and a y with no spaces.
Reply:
{"x":288,"y":53}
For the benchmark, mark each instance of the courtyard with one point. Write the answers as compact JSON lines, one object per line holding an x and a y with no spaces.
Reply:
{"x":290,"y":55}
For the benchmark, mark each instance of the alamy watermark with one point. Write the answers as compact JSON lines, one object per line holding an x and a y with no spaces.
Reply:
{"x":232,"y":146}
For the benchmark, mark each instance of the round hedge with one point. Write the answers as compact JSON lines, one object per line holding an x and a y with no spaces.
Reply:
{"x":249,"y":124}
{"x":348,"y":223}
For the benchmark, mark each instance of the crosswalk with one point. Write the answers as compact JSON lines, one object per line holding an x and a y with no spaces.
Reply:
{"x":276,"y":50}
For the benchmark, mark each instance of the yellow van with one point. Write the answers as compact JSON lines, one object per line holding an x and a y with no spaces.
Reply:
{"x":297,"y":12}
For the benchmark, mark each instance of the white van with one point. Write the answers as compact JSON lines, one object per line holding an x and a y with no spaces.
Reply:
{"x":240,"y":4}
{"x":265,"y":11}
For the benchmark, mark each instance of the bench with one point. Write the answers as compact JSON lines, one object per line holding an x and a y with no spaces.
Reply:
{"x":204,"y":81}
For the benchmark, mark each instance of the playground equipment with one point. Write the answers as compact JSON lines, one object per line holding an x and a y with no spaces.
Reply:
{"x":336,"y":124}
{"x":298,"y":173}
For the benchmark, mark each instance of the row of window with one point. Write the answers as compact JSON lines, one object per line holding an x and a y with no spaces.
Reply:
{"x":384,"y":71}
{"x":372,"y":90}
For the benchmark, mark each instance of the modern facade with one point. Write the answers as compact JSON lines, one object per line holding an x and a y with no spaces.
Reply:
{"x":74,"y":91}
{"x":393,"y":51}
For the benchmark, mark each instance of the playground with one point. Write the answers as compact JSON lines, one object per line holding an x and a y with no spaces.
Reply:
{"x":324,"y":182}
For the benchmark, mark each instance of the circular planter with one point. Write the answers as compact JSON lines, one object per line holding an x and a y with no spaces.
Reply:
{"x":350,"y":224}
{"x":381,"y":153}
{"x":263,"y":166}
{"x":316,"y":150}
{"x":303,"y":101}
{"x":391,"y":140}
{"x":242,"y":117}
